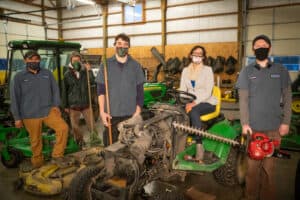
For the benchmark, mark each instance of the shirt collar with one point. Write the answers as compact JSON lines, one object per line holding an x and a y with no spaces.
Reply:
{"x":258,"y":67}
{"x":114,"y":58}
{"x":30,"y":72}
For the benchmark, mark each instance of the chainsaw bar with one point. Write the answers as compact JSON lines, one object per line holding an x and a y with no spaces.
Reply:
{"x":205,"y":134}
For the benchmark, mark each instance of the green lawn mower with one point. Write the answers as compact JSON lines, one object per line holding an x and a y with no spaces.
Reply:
{"x":292,"y":140}
{"x":15,"y":145}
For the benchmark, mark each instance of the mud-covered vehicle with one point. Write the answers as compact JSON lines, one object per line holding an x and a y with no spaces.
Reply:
{"x":150,"y":150}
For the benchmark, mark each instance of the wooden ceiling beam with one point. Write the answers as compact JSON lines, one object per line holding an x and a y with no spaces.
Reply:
{"x":52,"y":3}
{"x":29,"y":2}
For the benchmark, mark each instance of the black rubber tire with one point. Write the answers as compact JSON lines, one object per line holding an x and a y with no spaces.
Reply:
{"x":78,"y":186}
{"x":16,"y":158}
{"x":228,"y":174}
{"x":297,"y":182}
{"x":168,"y":196}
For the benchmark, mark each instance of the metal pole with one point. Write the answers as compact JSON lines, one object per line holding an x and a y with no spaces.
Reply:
{"x":90,"y":100}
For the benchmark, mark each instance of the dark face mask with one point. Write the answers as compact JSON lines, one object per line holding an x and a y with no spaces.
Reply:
{"x":33,"y":65}
{"x":77,"y":66}
{"x":122,"y":52}
{"x":261,"y":53}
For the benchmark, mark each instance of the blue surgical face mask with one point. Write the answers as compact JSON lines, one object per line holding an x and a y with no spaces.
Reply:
{"x":33,"y":65}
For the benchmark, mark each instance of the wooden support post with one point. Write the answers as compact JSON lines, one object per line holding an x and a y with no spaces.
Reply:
{"x":105,"y":38}
{"x":59,"y":20}
{"x":163,"y":25}
{"x":44,"y":20}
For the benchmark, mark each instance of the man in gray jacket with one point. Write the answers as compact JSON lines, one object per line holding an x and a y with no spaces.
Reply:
{"x":34,"y":100}
{"x":263,"y":87}
{"x":125,"y":82}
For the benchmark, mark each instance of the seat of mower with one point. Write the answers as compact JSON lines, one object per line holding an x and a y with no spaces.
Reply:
{"x":216,"y":93}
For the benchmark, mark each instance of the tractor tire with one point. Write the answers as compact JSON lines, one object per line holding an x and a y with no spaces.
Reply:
{"x":234,"y":170}
{"x":168,"y":196}
{"x":296,"y":105}
{"x":16,"y":158}
{"x":79,"y":186}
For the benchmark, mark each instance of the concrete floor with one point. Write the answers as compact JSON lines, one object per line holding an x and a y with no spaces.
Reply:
{"x":285,"y":175}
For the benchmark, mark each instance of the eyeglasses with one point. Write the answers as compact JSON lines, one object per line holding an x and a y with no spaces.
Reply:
{"x":198,"y":56}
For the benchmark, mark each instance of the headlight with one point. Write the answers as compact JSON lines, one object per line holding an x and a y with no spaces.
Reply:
{"x":25,"y":45}
{"x":10,"y":44}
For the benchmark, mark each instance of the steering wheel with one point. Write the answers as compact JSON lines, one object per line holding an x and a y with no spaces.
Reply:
{"x":181,"y":97}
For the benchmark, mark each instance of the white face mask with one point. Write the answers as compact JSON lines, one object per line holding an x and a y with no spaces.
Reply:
{"x":196,"y":60}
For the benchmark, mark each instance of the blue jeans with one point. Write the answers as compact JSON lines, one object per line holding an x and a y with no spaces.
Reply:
{"x":197,"y":111}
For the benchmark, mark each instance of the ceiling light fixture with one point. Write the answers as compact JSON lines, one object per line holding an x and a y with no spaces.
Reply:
{"x":90,"y":2}
{"x":130,"y":2}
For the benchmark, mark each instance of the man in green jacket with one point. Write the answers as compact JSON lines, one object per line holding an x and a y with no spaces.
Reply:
{"x":75,"y":94}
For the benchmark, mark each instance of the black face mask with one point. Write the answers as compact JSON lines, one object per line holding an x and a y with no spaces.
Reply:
{"x":261,"y":53}
{"x":33,"y":65}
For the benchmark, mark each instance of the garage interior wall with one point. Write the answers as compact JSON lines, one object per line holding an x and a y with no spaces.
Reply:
{"x":211,"y":23}
{"x":26,"y":25}
{"x":279,"y":20}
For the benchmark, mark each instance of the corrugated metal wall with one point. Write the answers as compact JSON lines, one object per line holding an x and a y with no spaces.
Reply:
{"x":280,"y":20}
{"x":24,"y":26}
{"x":188,"y":22}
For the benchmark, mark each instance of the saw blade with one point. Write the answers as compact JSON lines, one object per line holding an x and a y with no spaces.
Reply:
{"x":205,"y":134}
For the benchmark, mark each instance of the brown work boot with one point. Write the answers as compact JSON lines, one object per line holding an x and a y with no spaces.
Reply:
{"x":62,"y":162}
